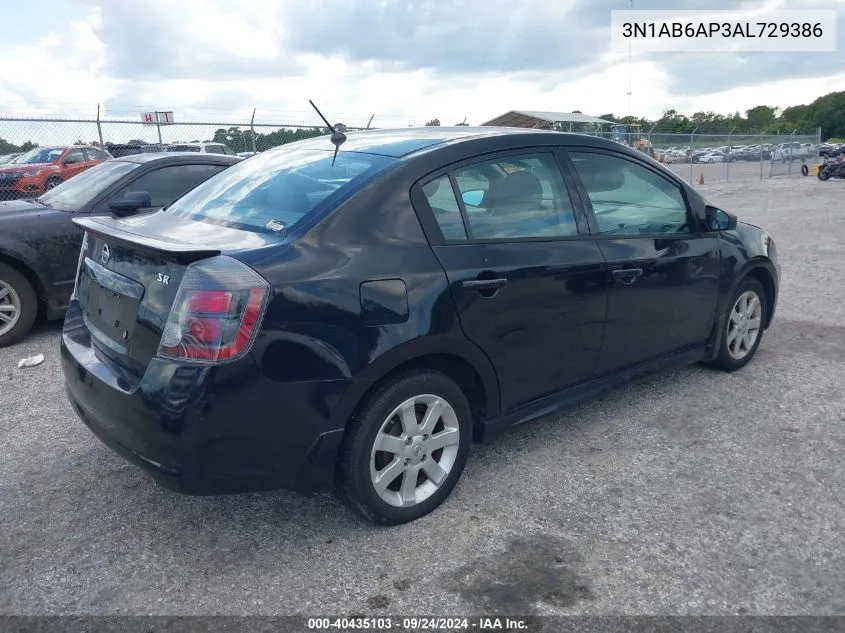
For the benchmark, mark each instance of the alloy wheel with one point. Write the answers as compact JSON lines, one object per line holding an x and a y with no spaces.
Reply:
{"x":744,"y":324}
{"x":10,"y":307}
{"x":414,"y":450}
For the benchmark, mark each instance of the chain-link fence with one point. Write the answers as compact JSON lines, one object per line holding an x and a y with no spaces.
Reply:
{"x":708,"y":158}
{"x":20,"y":134}
{"x":698,"y":158}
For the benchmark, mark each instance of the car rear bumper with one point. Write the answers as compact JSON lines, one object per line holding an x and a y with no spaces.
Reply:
{"x":202,"y":430}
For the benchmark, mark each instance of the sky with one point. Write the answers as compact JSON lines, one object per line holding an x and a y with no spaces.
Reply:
{"x":404,"y":61}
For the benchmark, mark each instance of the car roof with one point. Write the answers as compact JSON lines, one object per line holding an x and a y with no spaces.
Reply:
{"x":403,"y":142}
{"x":173,"y":157}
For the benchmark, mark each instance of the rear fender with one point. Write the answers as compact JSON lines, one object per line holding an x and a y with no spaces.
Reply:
{"x":448,"y":345}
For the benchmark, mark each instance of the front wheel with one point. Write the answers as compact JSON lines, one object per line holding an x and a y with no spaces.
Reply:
{"x":52,"y":182}
{"x":823,"y":175}
{"x":744,"y":324}
{"x":406,"y":448}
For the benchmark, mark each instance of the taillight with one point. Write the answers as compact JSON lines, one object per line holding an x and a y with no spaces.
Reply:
{"x":217,"y":312}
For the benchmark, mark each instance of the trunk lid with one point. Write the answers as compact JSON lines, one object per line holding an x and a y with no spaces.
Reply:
{"x":126,"y":286}
{"x":131,"y":274}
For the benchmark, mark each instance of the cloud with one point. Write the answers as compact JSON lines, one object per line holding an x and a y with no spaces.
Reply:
{"x":193,"y":39}
{"x":407,"y":61}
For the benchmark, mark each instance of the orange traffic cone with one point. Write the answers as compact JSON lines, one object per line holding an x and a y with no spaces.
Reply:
{"x":701,"y":179}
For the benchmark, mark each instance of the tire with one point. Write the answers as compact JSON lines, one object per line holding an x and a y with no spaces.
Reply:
{"x":52,"y":181}
{"x":359,"y":462}
{"x":728,"y":359}
{"x":823,"y":175}
{"x":805,"y":171}
{"x":15,"y":291}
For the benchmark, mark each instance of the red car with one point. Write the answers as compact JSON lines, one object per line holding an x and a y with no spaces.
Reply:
{"x":43,"y":168}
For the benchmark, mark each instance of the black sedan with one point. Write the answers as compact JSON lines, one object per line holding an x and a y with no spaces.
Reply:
{"x":39,"y":244}
{"x":308,"y":319}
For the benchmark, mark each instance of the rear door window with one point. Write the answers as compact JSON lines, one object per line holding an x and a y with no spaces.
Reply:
{"x":276,"y":189}
{"x":515,"y":197}
{"x":444,"y":205}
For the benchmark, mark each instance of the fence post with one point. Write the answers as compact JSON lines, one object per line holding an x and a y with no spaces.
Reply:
{"x":791,"y":151}
{"x":692,"y":151}
{"x":762,"y":142}
{"x":252,"y":129}
{"x":100,"y":129}
{"x":728,"y":160}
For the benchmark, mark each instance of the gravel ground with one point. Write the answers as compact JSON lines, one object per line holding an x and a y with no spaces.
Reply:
{"x":695,"y":493}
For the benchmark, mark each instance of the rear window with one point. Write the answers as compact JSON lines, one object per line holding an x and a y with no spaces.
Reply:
{"x":275,"y":190}
{"x":183,"y":148}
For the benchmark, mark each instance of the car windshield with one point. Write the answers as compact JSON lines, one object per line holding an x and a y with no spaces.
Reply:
{"x":39,"y":155}
{"x":276,"y":189}
{"x":75,"y":193}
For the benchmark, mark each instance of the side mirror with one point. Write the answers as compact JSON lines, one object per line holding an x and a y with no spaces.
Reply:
{"x":718,"y":220}
{"x":131,"y":202}
{"x":473,"y":198}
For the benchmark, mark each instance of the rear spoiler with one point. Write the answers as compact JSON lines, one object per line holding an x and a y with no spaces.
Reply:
{"x":111,"y":228}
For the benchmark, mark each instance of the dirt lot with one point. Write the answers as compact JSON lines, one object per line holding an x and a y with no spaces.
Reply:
{"x":696,"y":493}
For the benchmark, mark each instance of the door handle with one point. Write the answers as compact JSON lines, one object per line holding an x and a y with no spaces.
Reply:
{"x":627,"y":275}
{"x":484,"y":284}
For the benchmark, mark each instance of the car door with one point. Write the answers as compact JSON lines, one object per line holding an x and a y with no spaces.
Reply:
{"x":73,"y":162}
{"x":529,"y":291}
{"x":164,"y":184}
{"x":663,"y":265}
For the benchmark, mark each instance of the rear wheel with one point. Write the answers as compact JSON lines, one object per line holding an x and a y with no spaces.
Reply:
{"x":18,"y":306}
{"x":743,"y":326}
{"x":406,"y":448}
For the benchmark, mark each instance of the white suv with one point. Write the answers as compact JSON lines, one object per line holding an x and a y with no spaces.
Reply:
{"x":204,"y":148}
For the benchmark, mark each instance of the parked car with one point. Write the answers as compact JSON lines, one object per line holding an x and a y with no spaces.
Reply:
{"x":306,"y":319}
{"x":43,"y":168}
{"x":39,"y":244}
{"x":7,"y":158}
{"x":712,"y":157}
{"x":130,"y":149}
{"x":204,"y":148}
{"x":246,"y":154}
{"x":761,"y":152}
{"x":740,"y":153}
{"x":788,"y":151}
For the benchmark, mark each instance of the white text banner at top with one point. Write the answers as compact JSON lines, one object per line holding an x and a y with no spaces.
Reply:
{"x":761,"y":31}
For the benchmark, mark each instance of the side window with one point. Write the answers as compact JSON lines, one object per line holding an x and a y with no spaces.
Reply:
{"x":95,"y":154}
{"x":168,"y":183}
{"x":444,"y":205}
{"x":516,"y":197}
{"x":74,"y":156}
{"x":629,"y":199}
{"x":215,"y":149}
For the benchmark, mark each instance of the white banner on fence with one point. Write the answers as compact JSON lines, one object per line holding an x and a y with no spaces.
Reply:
{"x":753,"y":30}
{"x":157,"y":118}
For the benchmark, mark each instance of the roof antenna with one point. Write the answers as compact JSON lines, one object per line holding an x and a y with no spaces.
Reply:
{"x":337,"y":139}
{"x":370,"y":121}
